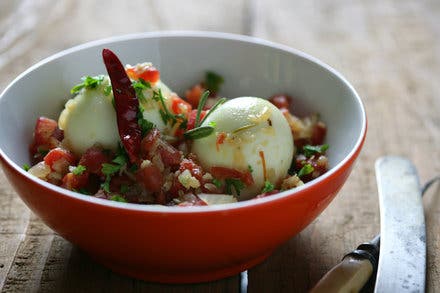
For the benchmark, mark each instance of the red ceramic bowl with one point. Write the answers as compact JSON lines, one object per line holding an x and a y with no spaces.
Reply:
{"x":192,"y":244}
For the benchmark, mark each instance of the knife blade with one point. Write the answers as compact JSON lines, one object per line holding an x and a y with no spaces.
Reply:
{"x":402,"y":260}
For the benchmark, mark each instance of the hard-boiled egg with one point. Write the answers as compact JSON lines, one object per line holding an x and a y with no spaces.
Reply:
{"x":250,"y":134}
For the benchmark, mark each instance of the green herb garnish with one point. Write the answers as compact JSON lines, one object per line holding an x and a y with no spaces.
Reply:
{"x":145,"y":125}
{"x":200,"y":107}
{"x":79,"y":170}
{"x":218,"y":103}
{"x":268,"y":187}
{"x":310,"y":150}
{"x":109,"y":169}
{"x":198,"y":132}
{"x":235,"y":184}
{"x":139,"y":86}
{"x":213,"y":81}
{"x":89,"y":82}
{"x":26,"y":167}
{"x":107,"y":90}
{"x":118,"y":198}
{"x":250,"y":169}
{"x":305,"y":170}
{"x":217,"y":183}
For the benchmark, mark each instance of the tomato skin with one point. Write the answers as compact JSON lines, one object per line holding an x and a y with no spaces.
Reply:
{"x":151,"y":178}
{"x":93,"y":158}
{"x":281,"y":101}
{"x":59,"y":160}
{"x":147,"y":73}
{"x":229,"y":173}
{"x":179,"y":106}
{"x":75,"y":182}
{"x":192,"y":118}
{"x":47,"y":136}
{"x":194,"y":94}
{"x":170,"y":156}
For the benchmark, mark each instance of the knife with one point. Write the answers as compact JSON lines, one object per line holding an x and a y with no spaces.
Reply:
{"x":402,"y":261}
{"x":403,"y":255}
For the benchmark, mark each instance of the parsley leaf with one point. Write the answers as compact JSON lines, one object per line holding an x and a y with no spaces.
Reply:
{"x":217,"y":183}
{"x":310,"y":150}
{"x":26,"y":167}
{"x":79,"y":170}
{"x":89,"y":82}
{"x":107,"y":90}
{"x":118,"y":198}
{"x":109,"y":169}
{"x":139,"y":86}
{"x":213,"y":81}
{"x":305,"y":170}
{"x":268,"y":187}
{"x":250,"y":169}
{"x":235,"y":184}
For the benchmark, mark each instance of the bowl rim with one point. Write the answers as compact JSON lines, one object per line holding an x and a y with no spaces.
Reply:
{"x":194,"y":209}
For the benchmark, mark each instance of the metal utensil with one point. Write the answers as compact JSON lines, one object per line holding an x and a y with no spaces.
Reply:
{"x":360,"y":265}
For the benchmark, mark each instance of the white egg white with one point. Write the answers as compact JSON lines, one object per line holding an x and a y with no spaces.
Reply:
{"x":257,"y":136}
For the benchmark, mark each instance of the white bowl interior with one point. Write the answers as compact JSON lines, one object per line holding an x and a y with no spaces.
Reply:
{"x":250,"y":67}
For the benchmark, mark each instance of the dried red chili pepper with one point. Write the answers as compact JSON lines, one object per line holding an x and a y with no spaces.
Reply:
{"x":126,"y":104}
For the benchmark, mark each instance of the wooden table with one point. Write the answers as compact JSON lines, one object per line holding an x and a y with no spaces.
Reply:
{"x":389,"y":50}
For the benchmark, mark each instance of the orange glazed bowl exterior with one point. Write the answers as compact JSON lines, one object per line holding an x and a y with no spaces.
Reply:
{"x":183,"y":244}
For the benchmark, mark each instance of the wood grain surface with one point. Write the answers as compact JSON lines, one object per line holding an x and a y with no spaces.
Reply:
{"x":389,"y":50}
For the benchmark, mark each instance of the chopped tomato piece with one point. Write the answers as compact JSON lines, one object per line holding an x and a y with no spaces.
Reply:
{"x":195,"y":169}
{"x":59,"y":160}
{"x":75,"y":182}
{"x":170,"y":156}
{"x":225,"y":173}
{"x":145,"y":71}
{"x":179,"y":106}
{"x":281,"y":101}
{"x":150,"y":142}
{"x":194,"y":94}
{"x":192,"y":118}
{"x":151,"y":178}
{"x":93,"y":159}
{"x":47,"y":135}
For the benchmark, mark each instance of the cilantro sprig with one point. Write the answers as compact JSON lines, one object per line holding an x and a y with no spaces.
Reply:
{"x":89,"y":82}
{"x":110,"y":169}
{"x":233,"y":184}
{"x":213,"y":81}
{"x":268,"y":187}
{"x":310,"y":150}
{"x":79,"y":170}
{"x":305,"y":170}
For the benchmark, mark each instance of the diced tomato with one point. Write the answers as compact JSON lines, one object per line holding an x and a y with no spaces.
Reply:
{"x":281,"y":101}
{"x":151,"y":178}
{"x":75,"y":182}
{"x":146,"y":72}
{"x":47,"y":135}
{"x":93,"y":159}
{"x":195,"y":169}
{"x":194,"y":94}
{"x":59,"y":160}
{"x":319,"y":133}
{"x":170,"y":156}
{"x":225,"y":173}
{"x":179,"y":106}
{"x":192,"y":118}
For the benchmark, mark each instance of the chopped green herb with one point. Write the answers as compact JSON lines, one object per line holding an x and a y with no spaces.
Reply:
{"x":198,"y":132}
{"x":79,"y":170}
{"x":84,"y":191}
{"x":42,"y":151}
{"x":250,"y":169}
{"x":110,"y":169}
{"x":145,"y":125}
{"x":213,"y":81}
{"x":106,"y":185}
{"x":268,"y":187}
{"x":310,"y":150}
{"x":26,"y":167}
{"x":217,"y":183}
{"x":305,"y":170}
{"x":89,"y":82}
{"x":118,"y":198}
{"x":124,"y":188}
{"x":235,"y":184}
{"x":107,"y":90}
{"x":212,"y":124}
{"x":139,"y":86}
{"x":200,"y":107}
